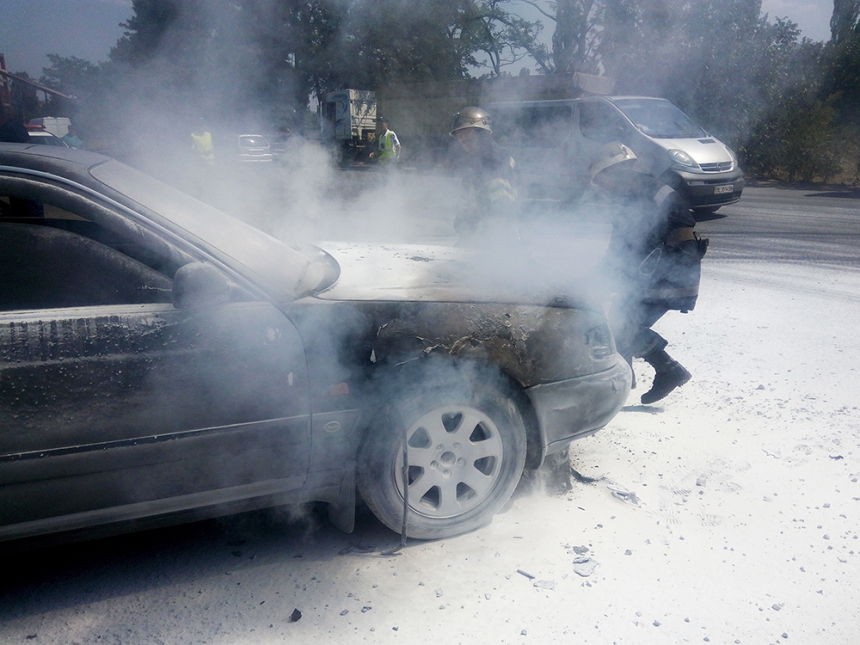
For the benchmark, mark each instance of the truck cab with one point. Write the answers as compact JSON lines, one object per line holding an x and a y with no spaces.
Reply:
{"x":348,"y":120}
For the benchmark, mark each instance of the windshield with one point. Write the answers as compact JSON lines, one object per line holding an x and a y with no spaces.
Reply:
{"x":46,"y":140}
{"x":660,"y":119}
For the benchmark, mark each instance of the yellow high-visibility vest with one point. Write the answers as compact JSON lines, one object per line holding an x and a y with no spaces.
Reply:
{"x":202,"y":144}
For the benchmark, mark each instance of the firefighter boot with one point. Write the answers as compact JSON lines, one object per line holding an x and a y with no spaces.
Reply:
{"x":669,"y":374}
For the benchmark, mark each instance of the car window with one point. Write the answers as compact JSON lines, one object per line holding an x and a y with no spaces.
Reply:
{"x":47,"y":141}
{"x":252,"y":141}
{"x":533,"y":126}
{"x":52,"y":257}
{"x":601,"y":122}
{"x":660,"y":119}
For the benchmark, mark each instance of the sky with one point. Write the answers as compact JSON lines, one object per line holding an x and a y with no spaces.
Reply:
{"x":31,"y":29}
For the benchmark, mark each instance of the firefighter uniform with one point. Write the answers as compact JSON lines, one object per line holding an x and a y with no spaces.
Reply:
{"x":489,"y":179}
{"x":654,"y":263}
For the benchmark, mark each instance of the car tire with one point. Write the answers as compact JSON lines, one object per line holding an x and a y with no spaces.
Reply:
{"x":466,"y":449}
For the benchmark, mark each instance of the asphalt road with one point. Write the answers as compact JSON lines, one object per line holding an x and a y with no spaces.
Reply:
{"x":788,"y":224}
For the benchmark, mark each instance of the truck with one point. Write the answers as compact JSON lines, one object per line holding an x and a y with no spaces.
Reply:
{"x":348,"y":121}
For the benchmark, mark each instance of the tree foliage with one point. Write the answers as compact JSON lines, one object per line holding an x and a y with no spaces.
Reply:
{"x":239,"y":56}
{"x":751,"y":80}
{"x":575,"y":38}
{"x":845,"y":20}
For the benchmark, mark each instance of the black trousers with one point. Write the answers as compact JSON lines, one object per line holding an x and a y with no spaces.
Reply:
{"x":631,"y":323}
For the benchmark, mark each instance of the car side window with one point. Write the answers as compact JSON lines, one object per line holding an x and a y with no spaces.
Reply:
{"x":52,"y":258}
{"x":600,"y":122}
{"x":533,"y":127}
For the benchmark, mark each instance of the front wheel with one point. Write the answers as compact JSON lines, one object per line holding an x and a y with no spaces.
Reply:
{"x":465,"y":450}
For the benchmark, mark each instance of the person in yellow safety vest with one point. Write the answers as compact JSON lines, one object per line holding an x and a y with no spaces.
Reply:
{"x":201,"y":144}
{"x":388,"y":151}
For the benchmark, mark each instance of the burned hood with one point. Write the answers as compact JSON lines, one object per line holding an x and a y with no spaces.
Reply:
{"x":425,"y":273}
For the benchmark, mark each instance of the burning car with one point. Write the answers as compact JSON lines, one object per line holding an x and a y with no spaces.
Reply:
{"x":162,"y":362}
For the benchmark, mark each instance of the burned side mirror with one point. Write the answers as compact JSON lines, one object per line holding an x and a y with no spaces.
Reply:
{"x":199,"y":284}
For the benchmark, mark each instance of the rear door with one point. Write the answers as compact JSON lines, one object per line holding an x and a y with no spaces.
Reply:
{"x":113,"y":403}
{"x":537,"y":135}
{"x":597,"y":122}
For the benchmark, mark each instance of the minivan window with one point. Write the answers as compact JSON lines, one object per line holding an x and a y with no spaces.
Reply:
{"x":599,"y":121}
{"x":660,"y":119}
{"x":532,"y":127}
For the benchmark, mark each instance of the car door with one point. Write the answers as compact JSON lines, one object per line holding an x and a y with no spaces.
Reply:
{"x":114,"y":404}
{"x":597,"y":122}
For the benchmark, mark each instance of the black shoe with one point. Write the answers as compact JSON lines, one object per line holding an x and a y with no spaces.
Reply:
{"x":665,"y":381}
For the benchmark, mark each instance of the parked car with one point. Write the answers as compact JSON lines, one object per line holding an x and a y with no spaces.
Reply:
{"x":40,"y":136}
{"x":254,"y":148}
{"x":161,"y":361}
{"x":56,"y":125}
{"x":555,"y":141}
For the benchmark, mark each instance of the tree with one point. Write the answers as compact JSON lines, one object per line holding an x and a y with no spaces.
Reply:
{"x":845,"y":20}
{"x":240,"y":56}
{"x":400,"y":41}
{"x":24,"y":98}
{"x":575,"y":37}
{"x":74,"y":77}
{"x":503,"y":37}
{"x":144,"y":31}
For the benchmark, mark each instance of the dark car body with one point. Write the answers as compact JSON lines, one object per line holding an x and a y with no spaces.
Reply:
{"x":161,"y":361}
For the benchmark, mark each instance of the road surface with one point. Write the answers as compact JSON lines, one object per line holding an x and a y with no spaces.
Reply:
{"x":724,"y":514}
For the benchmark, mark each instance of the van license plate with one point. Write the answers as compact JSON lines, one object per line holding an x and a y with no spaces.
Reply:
{"x":725,"y":188}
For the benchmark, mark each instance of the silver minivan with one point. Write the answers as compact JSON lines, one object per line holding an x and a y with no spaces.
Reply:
{"x":553,"y":143}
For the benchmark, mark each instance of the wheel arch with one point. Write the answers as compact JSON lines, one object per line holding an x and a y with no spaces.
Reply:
{"x":401,"y":370}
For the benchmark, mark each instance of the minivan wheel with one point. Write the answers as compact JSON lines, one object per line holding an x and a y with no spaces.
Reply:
{"x":465,"y":453}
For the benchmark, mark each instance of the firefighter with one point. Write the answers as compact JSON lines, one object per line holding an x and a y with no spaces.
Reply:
{"x":388,"y":152}
{"x":653,"y":260}
{"x":488,"y":177}
{"x":201,"y":144}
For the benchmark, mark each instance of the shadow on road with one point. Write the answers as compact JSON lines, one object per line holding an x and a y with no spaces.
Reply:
{"x":707,"y":217}
{"x":62,"y":577}
{"x":853,"y":193}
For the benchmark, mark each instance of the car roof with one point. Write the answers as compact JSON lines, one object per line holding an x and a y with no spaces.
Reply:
{"x":284,"y":272}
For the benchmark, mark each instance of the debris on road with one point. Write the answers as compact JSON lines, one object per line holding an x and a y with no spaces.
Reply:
{"x":584,"y":566}
{"x":526,"y":574}
{"x":619,"y":492}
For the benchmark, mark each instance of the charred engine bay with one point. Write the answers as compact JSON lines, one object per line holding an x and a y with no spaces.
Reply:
{"x":530,"y":344}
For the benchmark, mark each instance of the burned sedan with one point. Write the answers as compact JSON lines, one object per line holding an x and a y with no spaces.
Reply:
{"x":161,"y":362}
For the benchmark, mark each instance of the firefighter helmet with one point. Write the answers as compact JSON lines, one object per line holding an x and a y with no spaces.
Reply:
{"x":471,"y":117}
{"x":611,"y":155}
